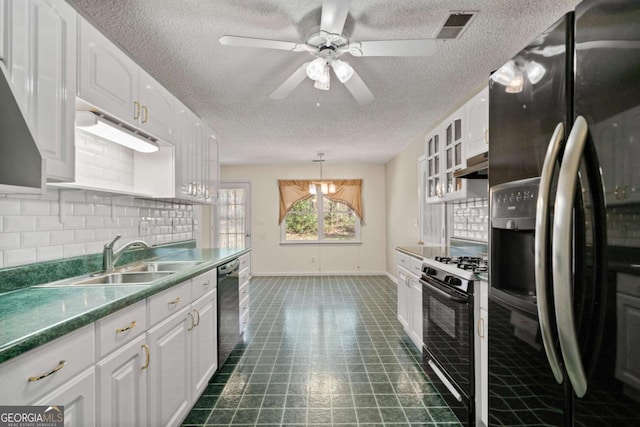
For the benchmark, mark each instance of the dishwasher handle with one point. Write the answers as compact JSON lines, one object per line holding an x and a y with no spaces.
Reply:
{"x":228,"y":268}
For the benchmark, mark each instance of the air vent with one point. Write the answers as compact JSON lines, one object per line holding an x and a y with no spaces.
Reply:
{"x":454,"y":25}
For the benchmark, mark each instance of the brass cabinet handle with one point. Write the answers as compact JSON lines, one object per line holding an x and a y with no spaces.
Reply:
{"x":175,"y":301}
{"x":146,"y":349}
{"x":136,"y":110}
{"x":145,"y":114}
{"x":126,"y":328}
{"x":51,"y":372}
{"x":198,"y":313}
{"x":193,"y":322}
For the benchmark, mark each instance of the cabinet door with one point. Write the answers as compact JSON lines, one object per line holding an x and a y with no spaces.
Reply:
{"x":204,"y":343}
{"x":78,"y":397}
{"x":482,"y":400}
{"x":416,"y":311}
{"x":108,"y":78}
{"x":42,"y":69}
{"x":403,"y":297}
{"x":170,"y":370}
{"x":156,"y":115}
{"x":184,"y":143}
{"x":453,"y":152}
{"x":477,"y":129}
{"x":433,"y":190}
{"x":214,"y":169}
{"x":122,"y":385}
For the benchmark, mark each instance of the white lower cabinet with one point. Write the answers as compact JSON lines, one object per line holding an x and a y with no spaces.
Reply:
{"x":170,"y":370}
{"x":410,"y":297}
{"x":204,"y":343}
{"x":481,"y":354}
{"x":78,"y":397}
{"x":122,"y":385}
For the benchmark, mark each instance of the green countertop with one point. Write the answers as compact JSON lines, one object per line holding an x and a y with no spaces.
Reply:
{"x":33,"y":316}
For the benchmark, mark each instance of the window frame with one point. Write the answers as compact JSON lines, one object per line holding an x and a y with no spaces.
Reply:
{"x":357,"y":240}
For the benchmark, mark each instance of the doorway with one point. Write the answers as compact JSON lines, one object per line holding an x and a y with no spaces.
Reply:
{"x":233,"y":222}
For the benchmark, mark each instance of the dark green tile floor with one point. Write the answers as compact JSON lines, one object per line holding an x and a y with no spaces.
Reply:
{"x":322,"y":351}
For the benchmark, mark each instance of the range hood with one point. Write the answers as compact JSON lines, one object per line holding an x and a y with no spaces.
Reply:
{"x":22,"y":168}
{"x":477,"y":167}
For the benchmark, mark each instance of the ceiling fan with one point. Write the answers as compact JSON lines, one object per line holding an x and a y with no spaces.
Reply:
{"x":327,"y":46}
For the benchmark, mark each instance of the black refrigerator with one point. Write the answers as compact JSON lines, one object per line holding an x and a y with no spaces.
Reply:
{"x":564,"y":177}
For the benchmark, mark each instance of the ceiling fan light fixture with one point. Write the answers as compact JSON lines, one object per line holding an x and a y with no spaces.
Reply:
{"x":343,"y":70}
{"x":316,"y":68}
{"x":323,"y":82}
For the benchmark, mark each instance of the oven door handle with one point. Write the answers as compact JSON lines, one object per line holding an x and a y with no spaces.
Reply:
{"x":542,"y":251}
{"x":461,"y":300}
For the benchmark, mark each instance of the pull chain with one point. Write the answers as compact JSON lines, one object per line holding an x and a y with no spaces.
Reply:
{"x":318,"y":98}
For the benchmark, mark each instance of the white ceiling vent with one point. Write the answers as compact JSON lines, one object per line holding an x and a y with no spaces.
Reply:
{"x":454,"y":25}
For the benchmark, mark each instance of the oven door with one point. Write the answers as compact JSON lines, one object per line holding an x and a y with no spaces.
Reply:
{"x":447,"y":334}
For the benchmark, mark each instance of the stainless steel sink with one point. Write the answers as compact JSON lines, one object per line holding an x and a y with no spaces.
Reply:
{"x":168,"y":266}
{"x":112,"y":279}
{"x":124,"y":278}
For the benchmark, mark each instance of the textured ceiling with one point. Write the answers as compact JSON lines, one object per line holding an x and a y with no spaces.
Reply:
{"x":229,"y":87}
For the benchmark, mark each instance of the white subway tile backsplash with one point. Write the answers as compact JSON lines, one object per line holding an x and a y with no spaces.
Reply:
{"x":10,"y":207}
{"x":73,"y":249}
{"x":31,"y":229}
{"x":9,"y":241}
{"x":34,"y":239}
{"x":74,"y":222}
{"x":19,"y":223}
{"x":83,"y":209}
{"x":19,"y":257}
{"x":48,"y":253}
{"x":35,"y":207}
{"x":470,"y":219}
{"x":85,"y":235}
{"x":60,"y":237}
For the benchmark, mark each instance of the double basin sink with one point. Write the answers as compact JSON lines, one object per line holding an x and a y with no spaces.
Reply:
{"x":137,"y":274}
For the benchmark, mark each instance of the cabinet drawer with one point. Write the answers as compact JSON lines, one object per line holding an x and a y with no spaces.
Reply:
{"x":244,"y":291}
{"x":50,"y":366}
{"x":168,"y":302}
{"x":416,"y":266}
{"x":121,"y":327}
{"x":203,"y":283}
{"x":245,"y":261}
{"x":244,"y":276}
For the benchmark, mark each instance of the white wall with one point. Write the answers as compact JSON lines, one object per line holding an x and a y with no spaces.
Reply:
{"x":269,"y":257}
{"x":402,"y":181}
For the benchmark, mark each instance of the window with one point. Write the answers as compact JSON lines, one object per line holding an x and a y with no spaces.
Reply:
{"x":318,"y":217}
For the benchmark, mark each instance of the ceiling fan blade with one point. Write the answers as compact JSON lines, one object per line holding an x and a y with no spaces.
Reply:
{"x":334,"y":15}
{"x":262,"y":43}
{"x":359,"y":90}
{"x":291,"y":83}
{"x":424,"y":47}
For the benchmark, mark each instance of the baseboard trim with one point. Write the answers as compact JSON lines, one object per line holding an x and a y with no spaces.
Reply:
{"x":322,"y":273}
{"x":391,"y":277}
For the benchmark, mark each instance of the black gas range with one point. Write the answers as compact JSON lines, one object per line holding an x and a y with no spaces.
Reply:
{"x":448,"y":332}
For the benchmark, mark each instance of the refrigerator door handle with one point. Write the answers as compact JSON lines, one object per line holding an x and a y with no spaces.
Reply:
{"x":541,"y":251}
{"x":562,"y":256}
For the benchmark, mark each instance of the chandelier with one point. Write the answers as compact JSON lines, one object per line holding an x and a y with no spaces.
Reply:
{"x":325,"y":187}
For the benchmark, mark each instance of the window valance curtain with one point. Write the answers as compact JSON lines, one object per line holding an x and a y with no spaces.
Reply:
{"x":348,"y":191}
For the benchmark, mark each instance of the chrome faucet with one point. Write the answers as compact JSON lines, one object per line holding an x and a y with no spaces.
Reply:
{"x":109,"y":257}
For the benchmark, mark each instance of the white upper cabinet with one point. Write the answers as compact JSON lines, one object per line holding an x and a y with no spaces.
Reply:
{"x":39,"y":51}
{"x":113,"y":83}
{"x":449,"y":145}
{"x":478,"y":123}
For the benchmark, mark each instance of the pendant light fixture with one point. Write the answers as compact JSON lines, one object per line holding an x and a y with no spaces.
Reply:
{"x":326,"y":187}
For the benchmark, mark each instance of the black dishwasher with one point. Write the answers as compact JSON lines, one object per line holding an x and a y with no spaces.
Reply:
{"x":228,"y":309}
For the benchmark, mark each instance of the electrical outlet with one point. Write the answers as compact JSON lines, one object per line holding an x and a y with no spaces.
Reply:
{"x":145,"y":230}
{"x":313,"y":259}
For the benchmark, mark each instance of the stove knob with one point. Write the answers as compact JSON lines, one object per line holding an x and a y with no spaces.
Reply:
{"x":429,"y":271}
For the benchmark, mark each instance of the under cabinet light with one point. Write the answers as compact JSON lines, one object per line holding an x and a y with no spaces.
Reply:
{"x":99,"y":126}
